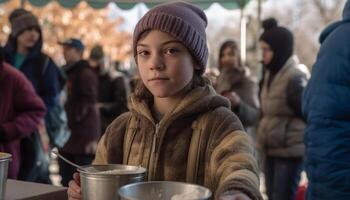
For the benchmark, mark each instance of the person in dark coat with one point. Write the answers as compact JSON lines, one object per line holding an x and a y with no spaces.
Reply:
{"x":281,"y":128}
{"x":81,"y":107}
{"x":235,"y":84}
{"x":21,"y":112}
{"x":23,"y":50}
{"x":327,"y":112}
{"x":112,"y":91}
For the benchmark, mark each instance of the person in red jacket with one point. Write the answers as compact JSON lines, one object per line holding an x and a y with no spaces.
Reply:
{"x":21,"y":111}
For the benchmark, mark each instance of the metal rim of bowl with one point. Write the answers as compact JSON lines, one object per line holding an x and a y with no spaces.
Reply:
{"x":140,"y":170}
{"x":155,"y":182}
{"x":5,"y":156}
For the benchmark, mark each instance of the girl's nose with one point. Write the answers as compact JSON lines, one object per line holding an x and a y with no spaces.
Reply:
{"x":157,"y":63}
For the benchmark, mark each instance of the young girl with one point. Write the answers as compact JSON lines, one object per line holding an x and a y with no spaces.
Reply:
{"x":168,"y":107}
{"x":235,"y":84}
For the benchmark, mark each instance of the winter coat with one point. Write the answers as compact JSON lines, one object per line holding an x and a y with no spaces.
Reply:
{"x":47,"y":85}
{"x":281,"y":130}
{"x":112,"y":98}
{"x":327,"y":111}
{"x":81,"y":108}
{"x":226,"y":160}
{"x":238,"y":81}
{"x":21,"y":111}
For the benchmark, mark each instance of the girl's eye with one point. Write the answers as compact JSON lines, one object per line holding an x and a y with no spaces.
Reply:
{"x":171,"y":51}
{"x":142,"y":53}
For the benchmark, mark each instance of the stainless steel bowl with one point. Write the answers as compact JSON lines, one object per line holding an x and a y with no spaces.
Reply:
{"x":163,"y":190}
{"x":102,"y":182}
{"x":5,"y":159}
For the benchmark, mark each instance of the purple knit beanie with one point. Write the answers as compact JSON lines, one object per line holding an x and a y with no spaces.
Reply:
{"x":182,"y":21}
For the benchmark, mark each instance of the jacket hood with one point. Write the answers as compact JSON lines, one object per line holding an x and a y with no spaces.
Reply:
{"x":346,"y":19}
{"x":11,"y":47}
{"x":196,"y":101}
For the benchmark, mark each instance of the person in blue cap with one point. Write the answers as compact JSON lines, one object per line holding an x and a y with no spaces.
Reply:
{"x":327,"y":111}
{"x":73,"y":50}
{"x":81,"y":107}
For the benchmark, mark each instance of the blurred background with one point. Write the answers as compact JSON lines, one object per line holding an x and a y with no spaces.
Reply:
{"x":112,"y":25}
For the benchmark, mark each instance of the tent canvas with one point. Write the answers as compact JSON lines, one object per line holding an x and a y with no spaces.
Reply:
{"x":129,"y":4}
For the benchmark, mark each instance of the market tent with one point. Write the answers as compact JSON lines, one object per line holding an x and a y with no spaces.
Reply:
{"x":128,"y":4}
{"x":204,"y":4}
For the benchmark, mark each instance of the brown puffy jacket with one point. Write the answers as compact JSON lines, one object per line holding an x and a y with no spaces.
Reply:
{"x":226,"y":160}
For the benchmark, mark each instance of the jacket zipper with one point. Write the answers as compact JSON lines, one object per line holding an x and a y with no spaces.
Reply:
{"x":155,"y":136}
{"x":153,"y":152}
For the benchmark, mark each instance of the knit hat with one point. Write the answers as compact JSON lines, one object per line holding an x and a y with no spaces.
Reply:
{"x":21,"y":19}
{"x":280,"y":40}
{"x":96,"y":53}
{"x":182,"y":21}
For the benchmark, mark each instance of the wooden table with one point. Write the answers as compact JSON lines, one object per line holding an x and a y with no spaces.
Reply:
{"x":33,"y":191}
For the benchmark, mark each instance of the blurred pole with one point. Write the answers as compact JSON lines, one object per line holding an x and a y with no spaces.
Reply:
{"x":22,"y":3}
{"x":259,"y":26}
{"x":139,"y":11}
{"x":243,"y":36}
{"x":259,"y":14}
{"x":258,"y":50}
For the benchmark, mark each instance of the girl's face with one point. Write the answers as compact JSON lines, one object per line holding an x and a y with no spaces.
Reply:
{"x":28,"y":38}
{"x":267,"y":53}
{"x":228,"y":58}
{"x":165,"y":65}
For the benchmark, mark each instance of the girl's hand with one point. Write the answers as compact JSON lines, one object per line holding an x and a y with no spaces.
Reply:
{"x":236,"y":196}
{"x":74,"y":189}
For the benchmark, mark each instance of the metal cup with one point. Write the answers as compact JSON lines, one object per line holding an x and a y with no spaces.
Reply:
{"x":5,"y":159}
{"x":104,"y":184}
{"x":163,"y":190}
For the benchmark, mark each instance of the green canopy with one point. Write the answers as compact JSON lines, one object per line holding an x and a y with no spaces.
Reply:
{"x":129,"y":4}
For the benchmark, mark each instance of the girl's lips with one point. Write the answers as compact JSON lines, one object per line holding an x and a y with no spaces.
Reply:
{"x":158,"y":79}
